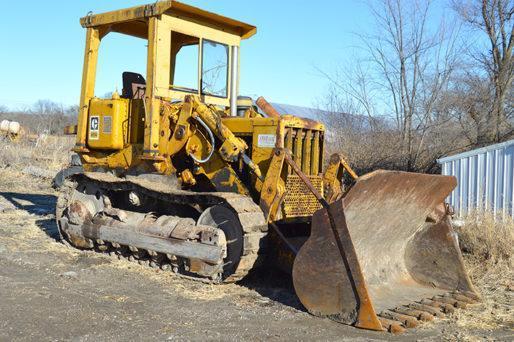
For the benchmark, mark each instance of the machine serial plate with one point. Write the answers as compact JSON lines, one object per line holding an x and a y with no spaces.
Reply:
{"x":266,"y":140}
{"x":107,"y":127}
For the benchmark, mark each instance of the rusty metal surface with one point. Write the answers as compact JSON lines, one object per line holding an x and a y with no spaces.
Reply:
{"x":399,"y":252}
{"x":298,"y":199}
{"x":333,"y":177}
{"x":132,"y":237}
{"x":327,"y":275}
{"x":305,"y":179}
{"x":390,"y":252}
{"x":267,"y":107}
{"x":343,"y":252}
{"x":249,"y":214}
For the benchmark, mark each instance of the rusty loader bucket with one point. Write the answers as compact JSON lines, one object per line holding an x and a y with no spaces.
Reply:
{"x":385,"y":255}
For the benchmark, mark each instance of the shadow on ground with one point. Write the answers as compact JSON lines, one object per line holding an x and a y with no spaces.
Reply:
{"x":273,"y":284}
{"x":268,"y":281}
{"x":40,"y":205}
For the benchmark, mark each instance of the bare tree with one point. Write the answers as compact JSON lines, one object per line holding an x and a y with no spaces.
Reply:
{"x":49,"y":117}
{"x":406,"y":65}
{"x":44,"y":116}
{"x":492,"y":109}
{"x":49,"y":114}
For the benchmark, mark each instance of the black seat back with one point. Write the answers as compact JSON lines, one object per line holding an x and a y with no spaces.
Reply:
{"x":134,"y":85}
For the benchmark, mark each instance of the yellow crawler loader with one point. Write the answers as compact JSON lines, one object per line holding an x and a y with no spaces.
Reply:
{"x":181,"y":173}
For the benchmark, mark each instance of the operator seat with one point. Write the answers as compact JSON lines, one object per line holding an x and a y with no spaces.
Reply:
{"x":134,"y":85}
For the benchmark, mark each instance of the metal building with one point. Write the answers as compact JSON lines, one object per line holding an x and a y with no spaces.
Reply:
{"x":484,"y":179}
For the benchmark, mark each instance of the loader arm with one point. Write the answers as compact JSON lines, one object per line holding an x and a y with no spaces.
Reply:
{"x":195,"y":114}
{"x":333,"y":176}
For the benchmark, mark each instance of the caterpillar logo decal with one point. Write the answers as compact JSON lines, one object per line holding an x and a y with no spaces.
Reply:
{"x":94,"y":128}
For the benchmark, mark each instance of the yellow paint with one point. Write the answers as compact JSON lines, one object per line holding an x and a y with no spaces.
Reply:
{"x":154,"y":135}
{"x":136,"y":121}
{"x":194,"y":29}
{"x":70,"y":130}
{"x":125,"y":158}
{"x":262,"y":155}
{"x":297,"y":148}
{"x":332,"y":178}
{"x":151,"y":137}
{"x":273,"y":187}
{"x":174,"y":142}
{"x":108,"y":124}
{"x":88,"y":83}
{"x":223,"y":177}
{"x":232,"y":146}
{"x":170,"y":8}
{"x":306,"y":159}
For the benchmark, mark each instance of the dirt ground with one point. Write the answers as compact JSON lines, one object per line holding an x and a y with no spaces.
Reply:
{"x":51,"y":292}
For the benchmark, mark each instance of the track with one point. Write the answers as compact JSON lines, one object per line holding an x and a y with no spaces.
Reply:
{"x":249,"y":214}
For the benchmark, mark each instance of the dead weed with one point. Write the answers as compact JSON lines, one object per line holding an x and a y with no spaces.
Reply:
{"x":487,"y":243}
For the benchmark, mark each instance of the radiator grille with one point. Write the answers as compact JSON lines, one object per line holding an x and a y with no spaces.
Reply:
{"x":298,"y":200}
{"x":306,"y":147}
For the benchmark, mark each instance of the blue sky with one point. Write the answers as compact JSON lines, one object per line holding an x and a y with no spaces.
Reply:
{"x":43,"y":42}
{"x":43,"y":45}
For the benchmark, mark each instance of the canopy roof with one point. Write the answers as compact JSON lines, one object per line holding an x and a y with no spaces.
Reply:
{"x":132,"y":21}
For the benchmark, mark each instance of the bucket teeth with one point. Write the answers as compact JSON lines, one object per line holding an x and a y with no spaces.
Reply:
{"x":427,"y":308}
{"x":144,"y":262}
{"x":469,"y":294}
{"x":392,"y":326}
{"x":418,"y":314}
{"x":450,"y":301}
{"x":411,"y":315}
{"x":103,"y":248}
{"x":462,"y":298}
{"x":445,"y":308}
{"x":406,"y":320}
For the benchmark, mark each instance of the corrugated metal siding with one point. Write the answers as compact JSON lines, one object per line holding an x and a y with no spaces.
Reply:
{"x":484,"y":179}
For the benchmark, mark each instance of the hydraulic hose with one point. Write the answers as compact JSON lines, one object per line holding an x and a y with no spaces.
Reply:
{"x":211,"y":137}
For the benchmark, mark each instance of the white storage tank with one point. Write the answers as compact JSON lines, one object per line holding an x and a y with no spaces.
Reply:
{"x":11,"y":127}
{"x":4,"y":126}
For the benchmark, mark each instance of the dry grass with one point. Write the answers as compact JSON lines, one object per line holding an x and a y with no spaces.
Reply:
{"x":488,"y":244}
{"x":47,"y":152}
{"x":486,"y":238}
